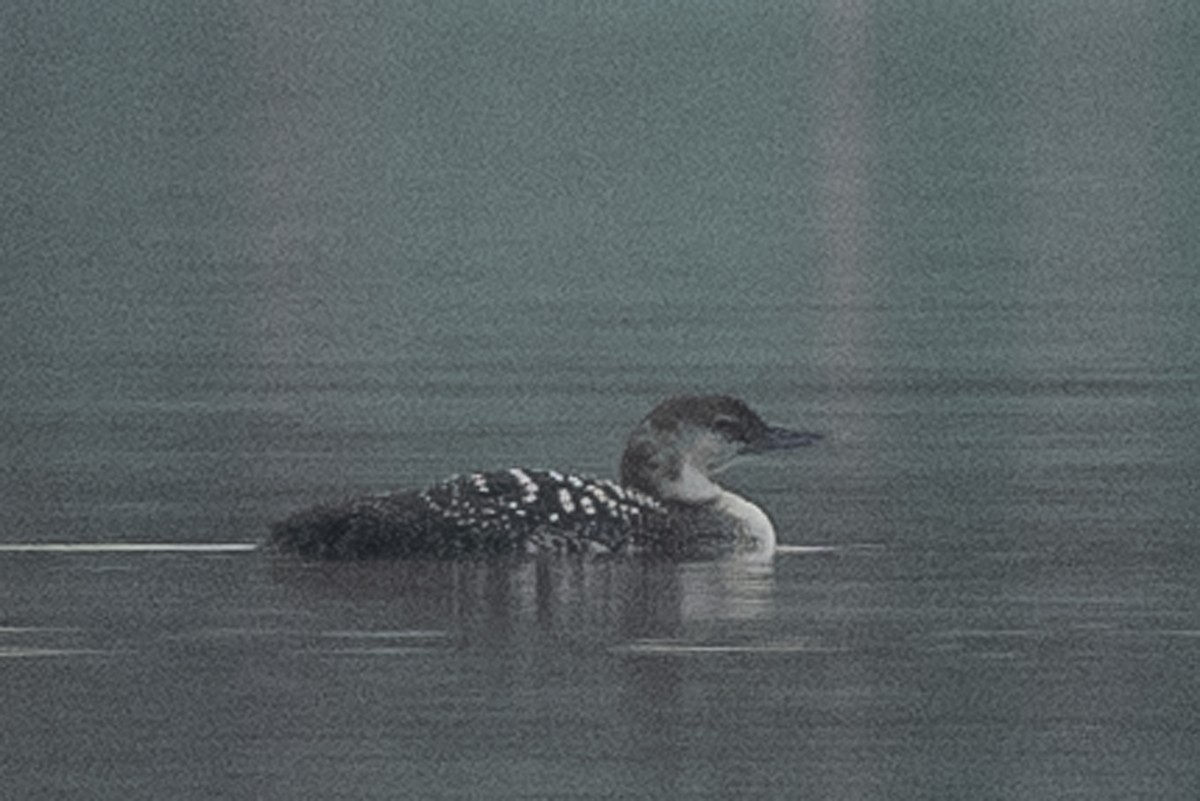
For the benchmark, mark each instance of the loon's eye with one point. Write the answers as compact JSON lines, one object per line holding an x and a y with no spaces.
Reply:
{"x":727,"y":427}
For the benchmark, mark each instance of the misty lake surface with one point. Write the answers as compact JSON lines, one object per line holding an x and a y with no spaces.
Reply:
{"x":260,"y":255}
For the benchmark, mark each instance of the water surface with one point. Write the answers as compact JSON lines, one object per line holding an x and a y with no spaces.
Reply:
{"x":256,"y":256}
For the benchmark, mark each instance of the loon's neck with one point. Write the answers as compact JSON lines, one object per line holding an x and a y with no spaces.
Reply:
{"x":690,"y":484}
{"x":681,"y":480}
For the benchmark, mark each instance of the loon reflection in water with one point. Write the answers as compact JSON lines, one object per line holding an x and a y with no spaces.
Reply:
{"x":666,"y":504}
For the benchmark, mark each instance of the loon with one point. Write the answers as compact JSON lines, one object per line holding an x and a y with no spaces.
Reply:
{"x":666,"y":503}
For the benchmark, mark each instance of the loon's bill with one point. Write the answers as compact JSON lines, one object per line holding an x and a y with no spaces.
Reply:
{"x":778,"y":439}
{"x":666,"y":502}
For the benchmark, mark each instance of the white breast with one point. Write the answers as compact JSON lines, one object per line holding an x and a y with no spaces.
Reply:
{"x":756,"y":535}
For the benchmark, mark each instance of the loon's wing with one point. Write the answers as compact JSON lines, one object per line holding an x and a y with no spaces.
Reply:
{"x":511,"y":511}
{"x":360,"y":528}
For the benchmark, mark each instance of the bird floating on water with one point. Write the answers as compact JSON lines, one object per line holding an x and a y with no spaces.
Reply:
{"x":666,"y":503}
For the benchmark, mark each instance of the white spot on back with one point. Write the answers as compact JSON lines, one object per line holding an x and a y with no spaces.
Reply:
{"x":529,"y":487}
{"x":527,"y":483}
{"x":565,"y":499}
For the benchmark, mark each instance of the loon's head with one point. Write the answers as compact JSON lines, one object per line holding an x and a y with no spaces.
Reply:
{"x":677,"y":448}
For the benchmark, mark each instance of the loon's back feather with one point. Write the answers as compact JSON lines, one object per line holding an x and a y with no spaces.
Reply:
{"x":502,"y":512}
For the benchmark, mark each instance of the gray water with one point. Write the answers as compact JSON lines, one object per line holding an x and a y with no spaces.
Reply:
{"x":257,"y":255}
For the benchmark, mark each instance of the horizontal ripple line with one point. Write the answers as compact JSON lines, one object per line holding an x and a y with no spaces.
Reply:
{"x":807,"y":548}
{"x":127,"y":547}
{"x":670,"y":648}
{"x":852,"y":547}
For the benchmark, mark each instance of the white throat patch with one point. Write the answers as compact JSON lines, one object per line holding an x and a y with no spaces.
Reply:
{"x":692,"y":486}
